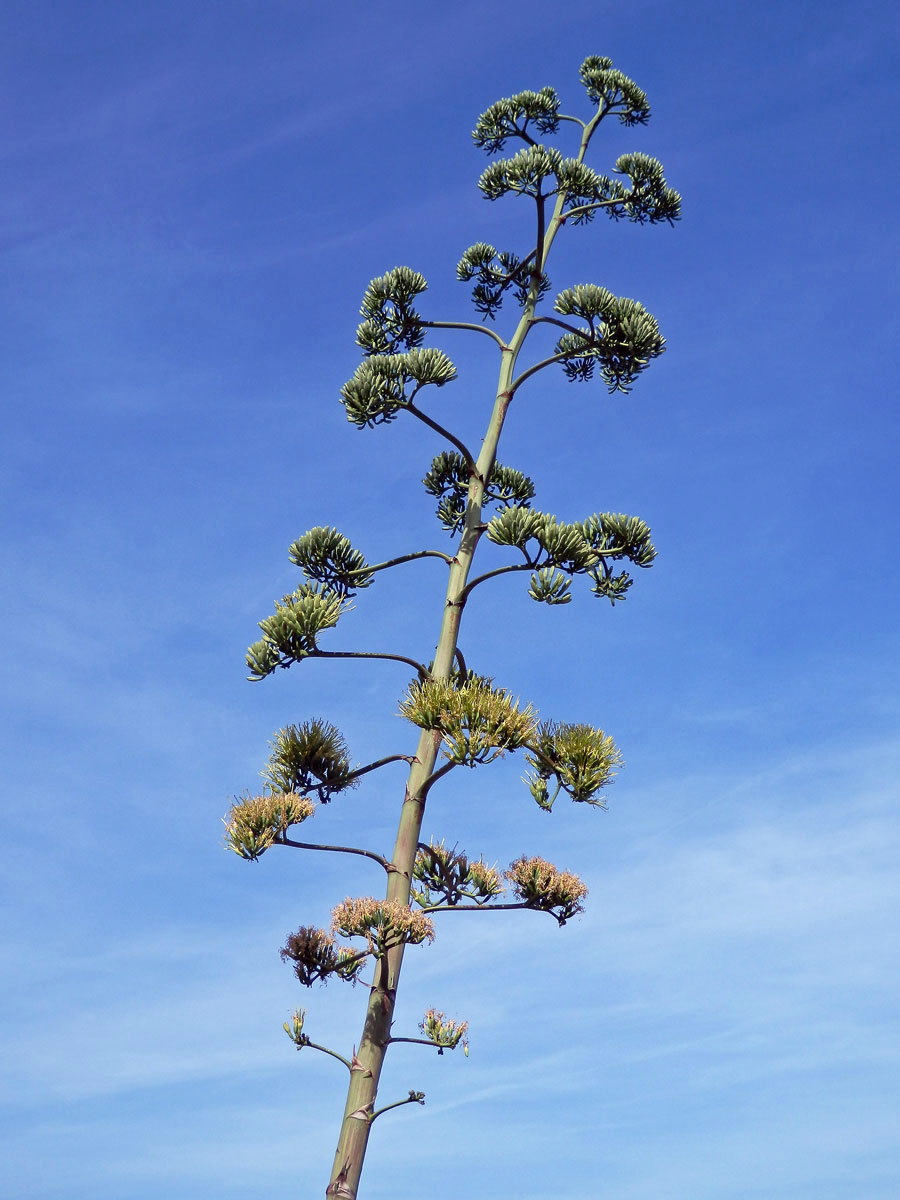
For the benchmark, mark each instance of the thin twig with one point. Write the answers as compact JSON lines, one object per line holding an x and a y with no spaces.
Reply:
{"x":382,"y":762}
{"x":562,"y":325}
{"x":411,"y":662}
{"x":403,"y":558}
{"x":333,"y":1053}
{"x":412,"y":1098}
{"x":529,"y":566}
{"x":435,"y":776}
{"x":539,"y":366}
{"x":466,"y":325}
{"x":463,"y":669}
{"x":419,"y":1042}
{"x":583,"y":208}
{"x":482,"y":908}
{"x":284,"y":840}
{"x":461,"y":446}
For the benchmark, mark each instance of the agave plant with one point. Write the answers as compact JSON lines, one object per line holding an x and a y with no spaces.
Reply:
{"x":463,"y":718}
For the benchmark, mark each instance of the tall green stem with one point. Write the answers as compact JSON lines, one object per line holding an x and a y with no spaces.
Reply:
{"x":376,"y":1034}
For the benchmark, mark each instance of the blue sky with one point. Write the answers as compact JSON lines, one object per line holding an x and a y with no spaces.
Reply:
{"x":195,"y":198}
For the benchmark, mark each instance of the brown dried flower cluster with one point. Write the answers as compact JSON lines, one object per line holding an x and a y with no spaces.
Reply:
{"x":316,"y":956}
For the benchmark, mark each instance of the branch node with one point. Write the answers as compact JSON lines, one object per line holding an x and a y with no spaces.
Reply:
{"x":339,"y":1187}
{"x":356,"y":1065}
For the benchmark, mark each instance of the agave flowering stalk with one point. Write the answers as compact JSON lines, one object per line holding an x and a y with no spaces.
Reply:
{"x":462,"y":717}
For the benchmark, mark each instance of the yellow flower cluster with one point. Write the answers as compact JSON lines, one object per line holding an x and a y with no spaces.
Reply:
{"x":254,"y":822}
{"x":383,"y":923}
{"x":294,"y":1029}
{"x":445,"y":1034}
{"x":477,"y":721}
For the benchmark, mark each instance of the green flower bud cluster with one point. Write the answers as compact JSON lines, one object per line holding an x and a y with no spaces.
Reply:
{"x":289,"y":635}
{"x":581,"y":760}
{"x":445,"y":1034}
{"x":294,"y":1029}
{"x":523,"y":174}
{"x":315,"y":956}
{"x":541,"y":171}
{"x":377,"y":391}
{"x":611,"y":587}
{"x":615,"y":535}
{"x":323,"y":554}
{"x":311,"y":757}
{"x":495,"y":272}
{"x":447,"y":876}
{"x":510,"y":117}
{"x":478,"y":722}
{"x":449,"y":478}
{"x":650,"y":200}
{"x":390,"y":322}
{"x":254,"y":823}
{"x":515,"y":525}
{"x":583,"y":186}
{"x":585,"y":300}
{"x":550,"y":586}
{"x":582,"y":547}
{"x":564,"y":544}
{"x":615,"y":91}
{"x":558,"y":544}
{"x":383,"y":923}
{"x":538,"y":884}
{"x":621,"y":336}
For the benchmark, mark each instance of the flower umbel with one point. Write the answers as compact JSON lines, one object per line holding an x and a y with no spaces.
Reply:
{"x":294,"y":1029}
{"x":447,"y":876}
{"x":315,"y":956}
{"x":581,"y":759}
{"x":477,"y":721}
{"x":538,"y":884}
{"x":311,"y":757}
{"x":254,"y":823}
{"x":383,"y":923}
{"x":445,"y":1034}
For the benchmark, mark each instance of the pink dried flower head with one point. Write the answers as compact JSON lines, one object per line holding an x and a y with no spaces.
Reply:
{"x":540,"y":885}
